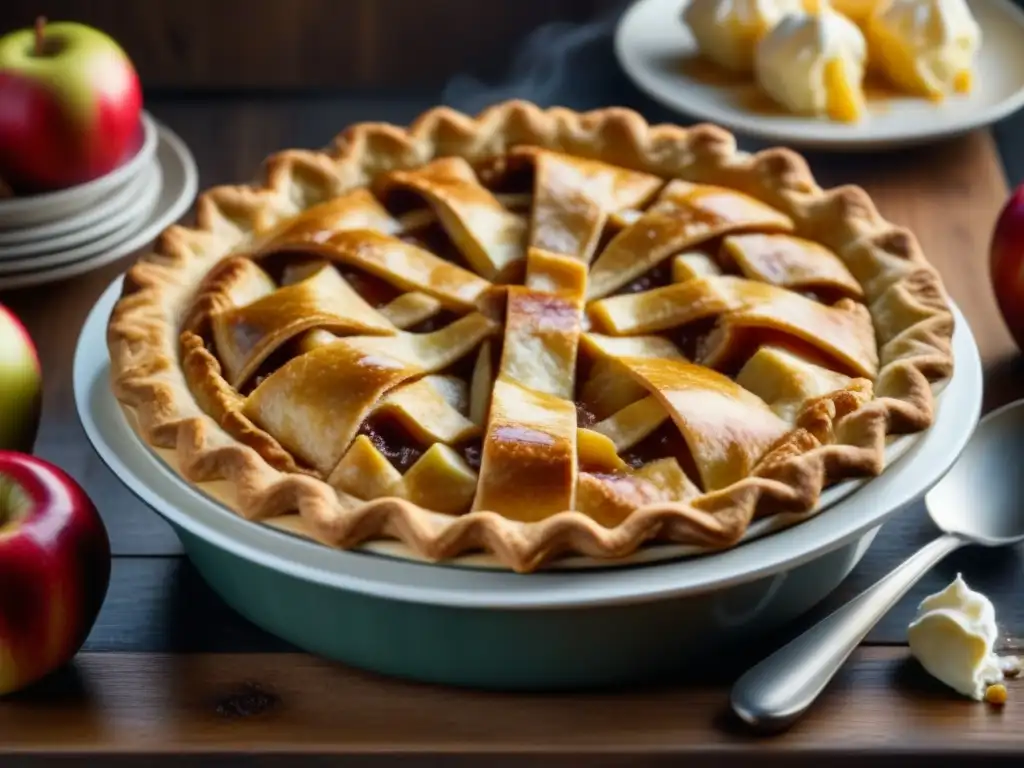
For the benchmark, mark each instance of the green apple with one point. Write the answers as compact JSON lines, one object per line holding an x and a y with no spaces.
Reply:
{"x":21,"y":387}
{"x":70,"y":104}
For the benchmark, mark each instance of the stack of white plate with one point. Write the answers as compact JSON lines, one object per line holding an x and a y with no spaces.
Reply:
{"x":57,"y":235}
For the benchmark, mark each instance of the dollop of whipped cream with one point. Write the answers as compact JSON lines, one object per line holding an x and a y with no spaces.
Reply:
{"x":926,"y":47}
{"x":813,"y":64}
{"x":953,"y":636}
{"x":728,"y":30}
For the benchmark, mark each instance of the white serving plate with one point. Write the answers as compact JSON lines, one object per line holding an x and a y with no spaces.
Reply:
{"x":22,"y":212}
{"x":191,"y":511}
{"x":178,"y":190}
{"x":93,"y":220}
{"x":652,"y":42}
{"x":83,"y":244}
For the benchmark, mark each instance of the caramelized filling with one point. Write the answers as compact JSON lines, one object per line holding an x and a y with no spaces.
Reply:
{"x":275,"y":360}
{"x":496,"y":352}
{"x":584,"y":416}
{"x":433,"y":238}
{"x":471,"y":452}
{"x":401,"y":202}
{"x":506,"y":175}
{"x":690,"y":338}
{"x":375,"y":291}
{"x":658,"y":277}
{"x":824,"y":294}
{"x":714,"y":249}
{"x":607,"y":235}
{"x":664,"y":443}
{"x":274,"y":263}
{"x":463,"y":367}
{"x":584,"y":365}
{"x":393,"y":442}
{"x":518,"y":202}
{"x":416,"y":219}
{"x":434,"y":323}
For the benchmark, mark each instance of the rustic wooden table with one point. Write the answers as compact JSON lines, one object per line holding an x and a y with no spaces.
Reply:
{"x":170,"y":672}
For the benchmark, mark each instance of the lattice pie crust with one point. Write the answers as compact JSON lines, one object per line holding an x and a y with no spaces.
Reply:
{"x":532,"y":333}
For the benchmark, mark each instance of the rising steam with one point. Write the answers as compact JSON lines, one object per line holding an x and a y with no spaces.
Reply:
{"x":542,"y":67}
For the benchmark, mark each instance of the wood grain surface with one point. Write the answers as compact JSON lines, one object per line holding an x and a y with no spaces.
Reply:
{"x":168,"y":665}
{"x":294,"y":703}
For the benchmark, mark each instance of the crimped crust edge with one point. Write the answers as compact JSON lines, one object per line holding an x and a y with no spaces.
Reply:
{"x":901,"y":287}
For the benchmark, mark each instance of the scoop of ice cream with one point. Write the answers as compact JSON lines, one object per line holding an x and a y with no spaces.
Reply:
{"x":727,"y":31}
{"x":925,"y":47}
{"x":813,"y":64}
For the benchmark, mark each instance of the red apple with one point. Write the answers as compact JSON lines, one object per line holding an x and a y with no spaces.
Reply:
{"x":54,"y":569}
{"x":20,"y":385}
{"x":69,"y":106}
{"x":1006,"y":256}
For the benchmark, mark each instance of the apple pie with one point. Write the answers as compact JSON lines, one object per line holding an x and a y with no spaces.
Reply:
{"x":530,"y":333}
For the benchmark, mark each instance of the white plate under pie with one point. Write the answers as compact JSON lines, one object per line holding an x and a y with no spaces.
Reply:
{"x":659,"y":54}
{"x":88,"y":224}
{"x":180,"y":183}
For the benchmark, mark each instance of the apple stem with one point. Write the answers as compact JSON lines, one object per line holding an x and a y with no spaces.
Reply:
{"x":40,"y":36}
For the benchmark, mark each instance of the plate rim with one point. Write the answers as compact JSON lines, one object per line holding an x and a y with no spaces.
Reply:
{"x":752,"y":127}
{"x":138,"y":206}
{"x":75,"y":223}
{"x":184,"y":201}
{"x":407,"y":581}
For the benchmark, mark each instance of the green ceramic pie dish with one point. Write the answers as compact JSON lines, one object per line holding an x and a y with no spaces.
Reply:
{"x":481,"y":627}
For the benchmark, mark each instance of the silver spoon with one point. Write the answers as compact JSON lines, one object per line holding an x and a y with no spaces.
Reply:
{"x":979,"y":501}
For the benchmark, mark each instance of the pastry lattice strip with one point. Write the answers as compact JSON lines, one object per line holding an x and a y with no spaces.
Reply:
{"x":530,"y":445}
{"x":843,"y":332}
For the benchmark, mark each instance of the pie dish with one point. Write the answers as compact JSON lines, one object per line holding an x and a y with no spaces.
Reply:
{"x":533,"y":333}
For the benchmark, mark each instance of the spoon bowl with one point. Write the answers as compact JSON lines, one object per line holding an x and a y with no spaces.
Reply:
{"x":981,"y":498}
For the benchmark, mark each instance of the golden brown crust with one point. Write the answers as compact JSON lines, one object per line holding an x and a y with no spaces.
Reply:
{"x":839,"y":436}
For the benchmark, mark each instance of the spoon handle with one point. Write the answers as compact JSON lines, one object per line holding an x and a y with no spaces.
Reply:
{"x":775,"y":692}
